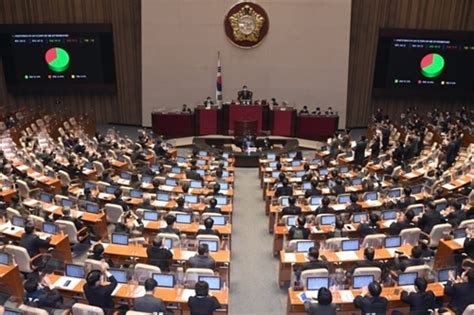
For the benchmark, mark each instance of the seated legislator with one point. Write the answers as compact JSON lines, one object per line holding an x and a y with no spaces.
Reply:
{"x":67,"y":217}
{"x":371,"y":227}
{"x":99,"y":293}
{"x":324,"y":207}
{"x":31,"y":242}
{"x":430,"y":218}
{"x":245,"y":96}
{"x":159,"y":255}
{"x":372,"y":303}
{"x":149,"y":303}
{"x":212,"y":206}
{"x":314,"y":191}
{"x":407,"y":199}
{"x":170,"y":220}
{"x":369,"y":255}
{"x":415,"y":260}
{"x":323,"y":305}
{"x":202,"y":259}
{"x":202,"y":303}
{"x":38,"y":296}
{"x":291,"y":209}
{"x":299,"y":232}
{"x":313,"y":263}
{"x":403,"y":221}
{"x":208,"y":230}
{"x":208,"y":102}
{"x":354,"y":206}
{"x":421,"y":301}
{"x":337,"y":230}
{"x":284,"y":190}
{"x":460,"y":292}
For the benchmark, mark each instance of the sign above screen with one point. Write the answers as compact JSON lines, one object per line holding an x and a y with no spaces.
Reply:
{"x":56,"y":58}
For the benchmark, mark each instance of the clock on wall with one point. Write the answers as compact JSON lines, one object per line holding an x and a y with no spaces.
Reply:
{"x":246,"y":24}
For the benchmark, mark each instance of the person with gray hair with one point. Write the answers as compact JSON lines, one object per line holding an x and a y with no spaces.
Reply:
{"x":68,"y":217}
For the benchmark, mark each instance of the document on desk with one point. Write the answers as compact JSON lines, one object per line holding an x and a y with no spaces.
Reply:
{"x":349,"y":255}
{"x":346,"y":296}
{"x":391,"y":251}
{"x":339,"y":207}
{"x":166,"y":188}
{"x":159,"y":203}
{"x":408,"y":288}
{"x":449,"y":186}
{"x":186,"y":254}
{"x":186,"y":293}
{"x":71,"y":283}
{"x":289,"y":257}
{"x":460,"y":241}
{"x":23,"y":168}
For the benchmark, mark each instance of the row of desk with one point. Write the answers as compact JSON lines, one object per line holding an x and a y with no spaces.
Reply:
{"x":280,"y":122}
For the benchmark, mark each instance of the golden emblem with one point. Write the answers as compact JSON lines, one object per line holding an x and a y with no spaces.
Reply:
{"x":246,"y":24}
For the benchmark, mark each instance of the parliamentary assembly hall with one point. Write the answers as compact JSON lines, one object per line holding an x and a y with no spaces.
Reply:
{"x":236,"y":157}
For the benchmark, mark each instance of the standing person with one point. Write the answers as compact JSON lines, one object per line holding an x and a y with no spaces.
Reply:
{"x":372,"y":303}
{"x":359,"y":151}
{"x":97,"y":292}
{"x":420,"y":301}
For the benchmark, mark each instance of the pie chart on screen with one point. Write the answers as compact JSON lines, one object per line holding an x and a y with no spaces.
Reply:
{"x":57,"y":59}
{"x":432,"y":65}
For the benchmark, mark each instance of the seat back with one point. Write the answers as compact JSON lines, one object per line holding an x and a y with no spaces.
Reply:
{"x":28,"y":310}
{"x":99,"y":167}
{"x":438,"y":232}
{"x":469,"y":310}
{"x":207,"y":237}
{"x":113,"y":212}
{"x":64,"y":178}
{"x":466,"y":224}
{"x":84,"y":309}
{"x":192,"y":275}
{"x":410,"y":236}
{"x":334,"y":243}
{"x":21,"y":256}
{"x":11,"y":212}
{"x":69,"y":229}
{"x":37,"y":221}
{"x":23,"y":189}
{"x":319,"y":272}
{"x":423,"y":271}
{"x":206,"y":215}
{"x":373,"y":240}
{"x":142,"y":272}
{"x":369,"y":271}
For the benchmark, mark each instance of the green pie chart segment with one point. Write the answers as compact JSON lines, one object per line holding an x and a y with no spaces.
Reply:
{"x":432,"y":65}
{"x":57,"y":59}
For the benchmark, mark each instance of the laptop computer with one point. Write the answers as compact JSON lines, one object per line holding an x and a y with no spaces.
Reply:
{"x":316,"y":283}
{"x":67,"y":203}
{"x":358,"y":217}
{"x":304,"y":246}
{"x":171,"y":182}
{"x":221,"y":200}
{"x":46,"y":197}
{"x":18,"y":221}
{"x":291,"y":220}
{"x":343,"y":199}
{"x":350,"y":245}
{"x":191,"y":199}
{"x":371,"y":196}
{"x":162,"y":197}
{"x":359,"y":282}
{"x":92,"y":208}
{"x":50,"y":228}
{"x":150,"y":216}
{"x":183,"y":218}
{"x":407,"y":278}
{"x":392,"y":241}
{"x":213,"y":245}
{"x":394,"y":193}
{"x":164,"y":280}
{"x":4,"y":258}
{"x":120,"y":238}
{"x":284,"y":202}
{"x":315,"y":200}
{"x":120,"y":275}
{"x":444,"y":274}
{"x":195,"y":184}
{"x":388,"y":215}
{"x":328,"y":219}
{"x":459,"y":233}
{"x":74,"y":271}
{"x":214,"y":282}
{"x":218,"y":219}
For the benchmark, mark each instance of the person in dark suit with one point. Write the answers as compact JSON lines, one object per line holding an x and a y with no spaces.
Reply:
{"x":202,"y":259}
{"x":338,"y":230}
{"x":31,"y":242}
{"x":98,"y":254}
{"x":212,"y":206}
{"x":420,"y":301}
{"x":98,"y":294}
{"x":170,"y":220}
{"x":372,"y":303}
{"x":454,"y":214}
{"x":371,"y":227}
{"x":284,"y":190}
{"x":186,"y":109}
{"x":180,"y":206}
{"x":402,"y":263}
{"x":72,"y":168}
{"x":40,"y":297}
{"x":461,"y":294}
{"x":324,"y":207}
{"x":403,"y":221}
{"x":203,"y":303}
{"x":149,"y":303}
{"x":338,"y":187}
{"x":354,"y":207}
{"x":324,"y":305}
{"x":398,"y":153}
{"x":208,"y":102}
{"x":304,"y":111}
{"x":291,"y":209}
{"x":119,"y":201}
{"x":450,"y":152}
{"x":192,"y":174}
{"x":208,"y":230}
{"x":67,"y":217}
{"x":369,"y":255}
{"x":314,"y":191}
{"x":407,"y":199}
{"x":299,"y":231}
{"x":159,"y":255}
{"x":244,"y":95}
{"x":430,"y":218}
{"x":146,"y":204}
{"x":313,"y":263}
{"x":375,"y":147}
{"x":359,"y":151}
{"x":468,"y":245}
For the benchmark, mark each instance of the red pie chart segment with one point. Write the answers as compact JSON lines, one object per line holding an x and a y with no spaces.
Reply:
{"x":57,"y":59}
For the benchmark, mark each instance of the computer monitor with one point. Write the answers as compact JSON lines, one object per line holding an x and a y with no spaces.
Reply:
{"x":316,"y":283}
{"x":350,"y":245}
{"x":306,"y":185}
{"x":75,"y":271}
{"x":125,"y":175}
{"x":147,"y":179}
{"x":203,"y":172}
{"x":291,"y":220}
{"x":221,"y":200}
{"x":4,"y":258}
{"x":168,"y":243}
{"x":191,"y":199}
{"x":88,"y":166}
{"x":273,"y":164}
{"x":343,"y":199}
{"x":407,"y":278}
{"x":155,"y":167}
{"x":164,"y":280}
{"x":111,"y":189}
{"x":214,"y":282}
{"x":218,"y":219}
{"x":134,"y":193}
{"x":180,"y":159}
{"x":359,"y":217}
{"x":271,"y":156}
{"x":389,"y":215}
{"x":275,"y":174}
{"x":371,"y":196}
{"x":50,"y":173}
{"x":170,"y":182}
{"x":417,"y":210}
{"x":67,"y":203}
{"x":441,"y":206}
{"x":92,"y":208}
{"x":18,"y":221}
{"x":459,"y":233}
{"x":285,"y":202}
{"x":46,"y":197}
{"x":120,"y":238}
{"x":444,"y":274}
{"x":343,"y":169}
{"x":295,"y":163}
{"x":120,"y":275}
{"x":50,"y":228}
{"x":316,"y":200}
{"x":176,"y":169}
{"x":213,"y":245}
{"x":203,"y":153}
{"x":162,"y":197}
{"x":89,"y":185}
{"x":394,"y":193}
{"x":304,"y":246}
{"x":416,"y":189}
{"x":12,"y":312}
{"x":328,"y":219}
{"x":224,"y":186}
{"x":356,"y":181}
{"x":315,"y":161}
{"x":201,"y":162}
{"x":392,"y":241}
{"x":323,"y":171}
{"x":359,"y":282}
{"x":183,"y":218}
{"x":225,"y":155}
{"x":195,"y":184}
{"x":150,"y":215}
{"x":225,"y":173}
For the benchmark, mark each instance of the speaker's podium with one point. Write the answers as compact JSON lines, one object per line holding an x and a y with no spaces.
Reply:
{"x":207,"y":120}
{"x":245,"y":127}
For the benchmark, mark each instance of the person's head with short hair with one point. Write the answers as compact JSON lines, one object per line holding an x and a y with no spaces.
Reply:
{"x":117,"y":193}
{"x":156,"y":182}
{"x":284,"y":182}
{"x":281,"y":177}
{"x":409,"y":215}
{"x":31,"y":285}
{"x":29,"y":228}
{"x":209,"y":223}
{"x":314,"y":183}
{"x":219,"y":173}
{"x":150,"y":284}
{"x":201,"y":288}
{"x":324,"y":296}
{"x":313,"y":253}
{"x":416,"y":252}
{"x":369,"y":253}
{"x":216,"y":188}
{"x":15,"y":199}
{"x":407,"y":191}
{"x":325,"y":201}
{"x":157,"y":242}
{"x":374,"y":218}
{"x":203,"y":249}
{"x":93,"y":278}
{"x":244,"y":87}
{"x":339,"y":224}
{"x":146,"y":199}
{"x":213,"y":202}
{"x":292,"y":201}
{"x":431,"y":206}
{"x":301,"y":221}
{"x":354,"y":198}
{"x":98,"y":250}
{"x":375,"y":289}
{"x":456,"y":205}
{"x":180,"y":202}
{"x":338,"y":181}
{"x":170,"y":219}
{"x":66,"y":211}
{"x":420,"y":284}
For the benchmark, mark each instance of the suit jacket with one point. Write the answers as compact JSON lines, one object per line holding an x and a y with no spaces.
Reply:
{"x":420,"y":302}
{"x":193,"y":175}
{"x":469,"y":247}
{"x":315,"y":264}
{"x":405,"y":263}
{"x":456,"y":217}
{"x":298,"y":233}
{"x":244,"y":95}
{"x":368,"y":263}
{"x":33,"y":243}
{"x":203,"y":305}
{"x":169,"y":229}
{"x":77,"y":223}
{"x":149,"y":304}
{"x":396,"y":227}
{"x":312,"y":192}
{"x":323,"y":209}
{"x":461,"y":294}
{"x":405,"y":202}
{"x":428,"y":220}
{"x":450,"y":153}
{"x":202,"y":261}
{"x":354,"y":207}
{"x":213,"y":210}
{"x":101,"y":296}
{"x":284,"y":191}
{"x":339,"y":189}
{"x":372,"y":305}
{"x":208,"y":232}
{"x":318,"y":309}
{"x":291,"y":210}
{"x":160,"y":257}
{"x":359,"y":152}
{"x":366,"y":229}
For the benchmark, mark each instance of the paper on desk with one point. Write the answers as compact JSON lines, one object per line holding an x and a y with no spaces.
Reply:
{"x":309,"y":295}
{"x":392,"y":251}
{"x":460,"y":241}
{"x":23,"y":168}
{"x":349,"y":255}
{"x":139,"y":291}
{"x":166,"y":188}
{"x":104,"y":196}
{"x":5,"y":226}
{"x":289,"y":257}
{"x":408,"y":288}
{"x":449,"y":186}
{"x":186,"y":293}
{"x":339,"y":207}
{"x":346,"y":296}
{"x":59,"y":284}
{"x":159,"y":203}
{"x":186,"y":254}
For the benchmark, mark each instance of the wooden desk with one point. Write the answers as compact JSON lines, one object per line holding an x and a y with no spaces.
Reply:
{"x":191,"y":228}
{"x":445,"y":254}
{"x":7,"y":194}
{"x":11,"y":281}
